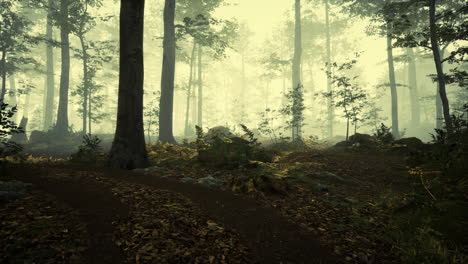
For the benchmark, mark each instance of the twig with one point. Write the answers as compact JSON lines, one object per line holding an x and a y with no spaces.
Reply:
{"x":422,"y":182}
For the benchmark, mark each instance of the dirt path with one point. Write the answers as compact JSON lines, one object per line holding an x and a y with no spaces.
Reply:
{"x":96,"y":207}
{"x":272,"y":238}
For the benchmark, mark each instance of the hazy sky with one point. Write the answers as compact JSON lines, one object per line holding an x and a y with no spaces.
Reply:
{"x":260,"y":15}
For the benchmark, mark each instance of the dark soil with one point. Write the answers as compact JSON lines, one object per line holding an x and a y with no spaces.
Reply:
{"x":270,"y":236}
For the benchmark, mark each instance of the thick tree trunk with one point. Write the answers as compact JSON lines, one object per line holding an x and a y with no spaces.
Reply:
{"x":296,"y":70}
{"x":438,"y":65}
{"x":393,"y":88}
{"x":167,"y":78}
{"x":49,"y":92}
{"x":128,"y":149}
{"x":200,"y":87}
{"x":61,"y":128}
{"x":189,"y":91}
{"x":4,"y":76}
{"x":329,"y":83}
{"x":413,"y":88}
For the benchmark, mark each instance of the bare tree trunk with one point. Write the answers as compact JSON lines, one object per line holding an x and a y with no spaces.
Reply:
{"x":2,"y":94}
{"x":128,"y":148}
{"x":12,"y":91}
{"x":85,"y":84}
{"x":189,"y":91}
{"x":49,"y":92}
{"x":413,"y":88}
{"x":296,"y":70}
{"x":167,"y":78}
{"x":329,"y":83}
{"x":393,"y":88}
{"x":200,"y":86}
{"x":438,"y":65}
{"x":438,"y":100}
{"x":61,"y":128}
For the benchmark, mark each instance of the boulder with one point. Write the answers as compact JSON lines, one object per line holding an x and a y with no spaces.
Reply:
{"x":321,"y":188}
{"x":38,"y":137}
{"x":188,"y":180}
{"x":218,"y":132}
{"x":411,"y":143}
{"x":211,"y":181}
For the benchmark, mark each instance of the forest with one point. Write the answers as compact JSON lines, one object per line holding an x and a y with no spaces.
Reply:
{"x":233,"y":131}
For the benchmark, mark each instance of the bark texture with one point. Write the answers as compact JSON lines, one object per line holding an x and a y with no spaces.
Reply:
{"x":61,"y":127}
{"x":128,"y":148}
{"x":167,"y":78}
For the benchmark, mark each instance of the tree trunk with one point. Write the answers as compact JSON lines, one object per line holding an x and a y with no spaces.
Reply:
{"x":49,"y":92}
{"x":128,"y":148}
{"x":296,"y":70}
{"x":393,"y":88}
{"x":12,"y":91}
{"x":329,"y":83}
{"x":61,"y":128}
{"x":85,"y":84}
{"x":438,"y":65}
{"x":2,"y":94}
{"x":189,"y":91}
{"x":167,"y":78}
{"x":438,"y":101}
{"x":413,"y":88}
{"x":200,"y":87}
{"x":347,"y":128}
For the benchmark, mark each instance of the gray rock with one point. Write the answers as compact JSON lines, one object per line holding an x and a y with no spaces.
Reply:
{"x":210,"y":181}
{"x":325,"y":175}
{"x":321,"y":188}
{"x":188,"y":180}
{"x":152,"y":169}
{"x":14,"y":189}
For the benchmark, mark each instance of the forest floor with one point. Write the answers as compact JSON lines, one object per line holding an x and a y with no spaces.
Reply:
{"x":91,"y":214}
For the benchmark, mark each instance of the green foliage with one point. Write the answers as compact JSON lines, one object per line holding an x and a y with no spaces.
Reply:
{"x":384,"y":134}
{"x":268,"y":125}
{"x":348,"y":95}
{"x":151,"y":115}
{"x":295,"y":108}
{"x":8,"y":128}
{"x":89,"y":150}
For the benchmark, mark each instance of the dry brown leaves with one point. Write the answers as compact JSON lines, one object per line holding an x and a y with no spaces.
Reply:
{"x":38,"y":229}
{"x":166,"y":227}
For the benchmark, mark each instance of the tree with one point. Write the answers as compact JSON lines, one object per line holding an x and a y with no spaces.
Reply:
{"x":330,"y":113}
{"x":49,"y":89}
{"x":167,"y":77}
{"x":380,"y":13}
{"x":436,"y":26}
{"x":61,"y":127}
{"x":348,"y":96}
{"x":14,"y":42}
{"x":296,"y":75}
{"x":128,"y":148}
{"x":413,"y":87}
{"x":92,"y":54}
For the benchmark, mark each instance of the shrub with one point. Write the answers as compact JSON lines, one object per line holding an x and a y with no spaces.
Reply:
{"x":89,"y":150}
{"x":384,"y":134}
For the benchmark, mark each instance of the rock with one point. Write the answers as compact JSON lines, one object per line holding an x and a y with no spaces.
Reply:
{"x":327,"y":176}
{"x":411,"y":143}
{"x":188,"y":180}
{"x":38,"y":137}
{"x":152,"y":169}
{"x":210,"y":181}
{"x":218,"y":132}
{"x":14,"y":189}
{"x":321,"y":188}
